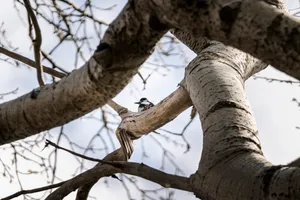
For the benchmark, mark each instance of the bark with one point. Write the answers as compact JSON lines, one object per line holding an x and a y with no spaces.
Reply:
{"x":126,"y":45}
{"x":232,"y":164}
{"x":139,"y":124}
{"x":254,"y":27}
{"x":100,"y":170}
{"x":129,"y":41}
{"x":168,"y":105}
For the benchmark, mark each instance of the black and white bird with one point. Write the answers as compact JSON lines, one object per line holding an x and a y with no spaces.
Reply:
{"x":144,"y":104}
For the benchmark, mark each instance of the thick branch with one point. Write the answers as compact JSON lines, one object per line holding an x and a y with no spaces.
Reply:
{"x":144,"y":123}
{"x":254,"y":27}
{"x":295,"y":163}
{"x":156,"y":176}
{"x":118,"y":108}
{"x":139,"y":124}
{"x":232,"y":164}
{"x":123,"y":49}
{"x":101,"y":170}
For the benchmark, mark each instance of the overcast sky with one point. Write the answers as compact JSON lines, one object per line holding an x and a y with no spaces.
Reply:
{"x":276,"y":114}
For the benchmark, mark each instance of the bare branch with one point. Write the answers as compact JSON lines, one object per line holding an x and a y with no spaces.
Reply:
{"x":22,"y":192}
{"x":48,"y":142}
{"x":144,"y":123}
{"x":37,"y":42}
{"x":118,"y":108}
{"x":30,"y":62}
{"x":90,"y":176}
{"x":169,"y":108}
{"x":105,"y":74}
{"x":156,"y":176}
{"x":101,"y":170}
{"x":276,"y":80}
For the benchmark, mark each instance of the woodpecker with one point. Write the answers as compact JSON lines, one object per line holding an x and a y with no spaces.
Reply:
{"x":144,"y":104}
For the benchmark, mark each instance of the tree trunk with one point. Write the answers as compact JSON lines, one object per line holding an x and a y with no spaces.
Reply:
{"x":232,"y":164}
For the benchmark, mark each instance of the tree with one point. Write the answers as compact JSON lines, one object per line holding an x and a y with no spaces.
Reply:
{"x":232,"y":165}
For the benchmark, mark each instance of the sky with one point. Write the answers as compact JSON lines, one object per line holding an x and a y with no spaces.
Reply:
{"x":275,"y":112}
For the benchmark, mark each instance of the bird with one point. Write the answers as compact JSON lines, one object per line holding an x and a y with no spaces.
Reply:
{"x":144,"y":104}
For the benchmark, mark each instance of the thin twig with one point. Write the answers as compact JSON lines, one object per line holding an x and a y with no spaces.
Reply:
{"x":48,"y":142}
{"x":37,"y":42}
{"x":22,"y":192}
{"x":276,"y":80}
{"x":30,"y":62}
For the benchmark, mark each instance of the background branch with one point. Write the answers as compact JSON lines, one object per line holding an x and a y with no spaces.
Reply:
{"x":22,"y":192}
{"x":30,"y":62}
{"x":37,"y":42}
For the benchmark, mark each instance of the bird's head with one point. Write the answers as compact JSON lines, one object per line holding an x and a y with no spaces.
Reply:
{"x":142,"y":100}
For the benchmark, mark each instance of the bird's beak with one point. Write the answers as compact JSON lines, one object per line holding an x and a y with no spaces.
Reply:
{"x":137,"y":102}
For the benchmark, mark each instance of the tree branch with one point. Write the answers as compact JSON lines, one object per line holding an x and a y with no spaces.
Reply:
{"x":118,"y":108}
{"x":30,"y":62}
{"x":134,"y":125}
{"x":168,"y":109}
{"x":295,"y":163}
{"x":37,"y":42}
{"x":243,"y":30}
{"x":122,"y":52}
{"x":89,"y":177}
{"x":144,"y":123}
{"x":48,"y":142}
{"x":101,"y":170}
{"x":22,"y":192}
{"x":105,"y":74}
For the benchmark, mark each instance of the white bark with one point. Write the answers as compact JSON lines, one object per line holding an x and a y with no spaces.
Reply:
{"x":232,"y":164}
{"x":254,"y":27}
